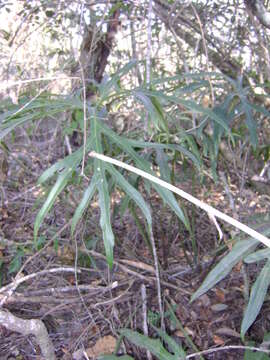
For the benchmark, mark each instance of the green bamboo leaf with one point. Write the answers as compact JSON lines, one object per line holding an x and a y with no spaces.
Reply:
{"x":153,"y":345}
{"x":105,"y":216}
{"x":257,"y":256}
{"x":198,"y":76}
{"x":260,"y":109}
{"x":246,"y":108}
{"x":191,"y":105}
{"x":165,"y":194}
{"x":7,"y":127}
{"x":257,"y":296}
{"x":38,"y":109}
{"x":155,"y":115}
{"x":254,"y":355}
{"x":70,"y":161}
{"x":106,"y":87}
{"x":103,"y":193}
{"x":131,"y":192}
{"x":172,"y":344}
{"x":194,"y":157}
{"x":179,"y":326}
{"x":222,"y":269}
{"x":169,"y":199}
{"x":158,"y":106}
{"x":88,"y":194}
{"x":162,"y":161}
{"x":60,"y":184}
{"x":190,"y":88}
{"x":251,"y":123}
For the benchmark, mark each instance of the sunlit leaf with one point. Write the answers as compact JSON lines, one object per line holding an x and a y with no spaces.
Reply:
{"x":250,"y":121}
{"x":191,"y":105}
{"x":153,"y":112}
{"x":106,"y":87}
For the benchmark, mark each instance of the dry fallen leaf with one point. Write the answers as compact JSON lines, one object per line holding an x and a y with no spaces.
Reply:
{"x":179,"y":333}
{"x":220,"y":294}
{"x":104,"y":346}
{"x":218,"y":340}
{"x":228,"y":332}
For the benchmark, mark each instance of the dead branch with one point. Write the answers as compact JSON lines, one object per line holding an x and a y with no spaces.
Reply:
{"x":30,"y":327}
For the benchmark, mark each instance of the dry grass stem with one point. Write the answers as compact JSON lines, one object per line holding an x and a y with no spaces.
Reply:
{"x":209,"y":209}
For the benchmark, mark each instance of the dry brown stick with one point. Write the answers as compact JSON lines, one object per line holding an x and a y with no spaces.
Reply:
{"x":157,"y":274}
{"x":138,"y":265}
{"x":144,"y":308}
{"x":229,"y":347}
{"x":138,"y":275}
{"x":44,"y":294}
{"x":10,"y":288}
{"x":30,"y":327}
{"x":116,"y":298}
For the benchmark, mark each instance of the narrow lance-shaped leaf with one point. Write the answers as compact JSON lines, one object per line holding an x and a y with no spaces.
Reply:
{"x":260,"y":109}
{"x":34,"y":110}
{"x":257,"y":296}
{"x":87,"y":196}
{"x":156,"y":103}
{"x":178,"y":324}
{"x":165,"y":175}
{"x":190,"y":104}
{"x":165,"y":194}
{"x":222,"y":269}
{"x":198,"y":76}
{"x":175,"y":147}
{"x":257,"y":256}
{"x":172,"y":344}
{"x":55,"y":191}
{"x":162,"y":161}
{"x":190,"y":88}
{"x":103,"y":194}
{"x":153,"y":345}
{"x":131,"y":192}
{"x":70,"y":161}
{"x":105,"y":216}
{"x":251,"y":124}
{"x":155,"y":115}
{"x":106,"y":87}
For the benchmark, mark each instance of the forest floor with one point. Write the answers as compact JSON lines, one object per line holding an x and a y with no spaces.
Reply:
{"x":84,"y":309}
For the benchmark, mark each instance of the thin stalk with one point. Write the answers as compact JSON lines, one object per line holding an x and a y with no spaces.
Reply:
{"x":209,"y":209}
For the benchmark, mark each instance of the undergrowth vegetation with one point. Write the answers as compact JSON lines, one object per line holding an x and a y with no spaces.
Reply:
{"x":178,"y":125}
